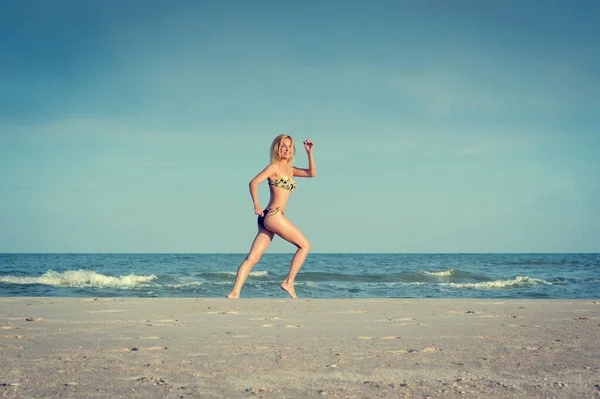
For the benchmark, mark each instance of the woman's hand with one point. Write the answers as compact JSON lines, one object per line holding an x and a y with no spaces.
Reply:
{"x":308,"y":145}
{"x":258,"y":210}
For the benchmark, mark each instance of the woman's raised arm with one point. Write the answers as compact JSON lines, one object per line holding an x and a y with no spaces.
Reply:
{"x":312,"y":169}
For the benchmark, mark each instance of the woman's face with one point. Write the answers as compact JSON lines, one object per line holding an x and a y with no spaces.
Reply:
{"x":285,"y":149}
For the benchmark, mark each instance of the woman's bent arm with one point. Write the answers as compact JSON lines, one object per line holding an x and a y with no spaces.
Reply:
{"x":254,"y":192}
{"x":266,"y":172}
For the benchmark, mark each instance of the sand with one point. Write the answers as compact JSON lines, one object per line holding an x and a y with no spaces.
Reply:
{"x":306,"y":348}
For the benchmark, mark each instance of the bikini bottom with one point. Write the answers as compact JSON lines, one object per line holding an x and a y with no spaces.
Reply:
{"x":267,"y":212}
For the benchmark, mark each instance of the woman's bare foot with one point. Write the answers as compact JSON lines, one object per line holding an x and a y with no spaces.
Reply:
{"x":233,"y":296}
{"x":289,"y":288}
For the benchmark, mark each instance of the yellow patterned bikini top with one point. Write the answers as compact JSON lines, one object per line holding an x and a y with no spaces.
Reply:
{"x":285,"y":182}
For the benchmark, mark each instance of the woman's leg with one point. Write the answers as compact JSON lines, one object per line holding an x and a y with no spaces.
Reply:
{"x":261,"y":242}
{"x":281,"y":226}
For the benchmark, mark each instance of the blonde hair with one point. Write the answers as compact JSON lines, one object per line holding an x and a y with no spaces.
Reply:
{"x":277,"y":144}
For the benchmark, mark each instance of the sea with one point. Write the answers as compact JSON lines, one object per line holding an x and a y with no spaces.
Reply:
{"x":350,"y":275}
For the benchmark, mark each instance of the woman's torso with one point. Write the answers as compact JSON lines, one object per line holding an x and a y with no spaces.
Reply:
{"x":281,"y":184}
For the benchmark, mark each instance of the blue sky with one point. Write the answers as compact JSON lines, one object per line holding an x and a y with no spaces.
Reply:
{"x":439,"y":126}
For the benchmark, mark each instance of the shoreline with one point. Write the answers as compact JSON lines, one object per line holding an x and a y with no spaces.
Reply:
{"x":274,"y":348}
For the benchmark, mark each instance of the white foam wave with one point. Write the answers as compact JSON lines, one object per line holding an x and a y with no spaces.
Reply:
{"x":401,"y":283}
{"x":519,"y":281}
{"x":442,"y":273}
{"x":261,"y":273}
{"x":190,"y":284}
{"x":80,"y":278}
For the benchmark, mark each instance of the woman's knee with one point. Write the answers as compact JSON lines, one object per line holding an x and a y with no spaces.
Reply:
{"x":304,"y":244}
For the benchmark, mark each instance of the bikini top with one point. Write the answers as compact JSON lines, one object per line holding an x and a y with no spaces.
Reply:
{"x":285,"y":182}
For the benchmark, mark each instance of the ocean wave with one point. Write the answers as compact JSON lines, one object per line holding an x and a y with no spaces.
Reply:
{"x":442,"y":273}
{"x":406,"y":276}
{"x":184,"y":285}
{"x":259,"y":273}
{"x":519,"y":281}
{"x":80,"y":279}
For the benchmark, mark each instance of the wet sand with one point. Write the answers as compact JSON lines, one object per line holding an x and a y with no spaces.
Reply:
{"x":284,"y":348}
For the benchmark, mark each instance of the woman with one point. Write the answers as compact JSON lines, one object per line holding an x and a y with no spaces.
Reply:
{"x":272,"y":219}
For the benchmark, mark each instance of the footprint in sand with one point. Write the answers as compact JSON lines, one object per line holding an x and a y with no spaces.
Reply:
{"x":392,"y":320}
{"x":11,"y":347}
{"x":352,"y":312}
{"x":287,"y":326}
{"x":533,"y":348}
{"x":152,"y":348}
{"x":406,"y":324}
{"x":429,"y":350}
{"x":14,"y":337}
{"x":266,"y":318}
{"x":426,"y":350}
{"x":106,"y":311}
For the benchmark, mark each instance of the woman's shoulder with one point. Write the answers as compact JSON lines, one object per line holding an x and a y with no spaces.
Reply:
{"x":273,"y":170}
{"x":278,"y":170}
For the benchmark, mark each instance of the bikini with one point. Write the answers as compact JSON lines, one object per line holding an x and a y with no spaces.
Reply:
{"x":285,"y":183}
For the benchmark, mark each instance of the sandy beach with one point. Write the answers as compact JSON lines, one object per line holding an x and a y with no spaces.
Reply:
{"x":283,"y":348}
